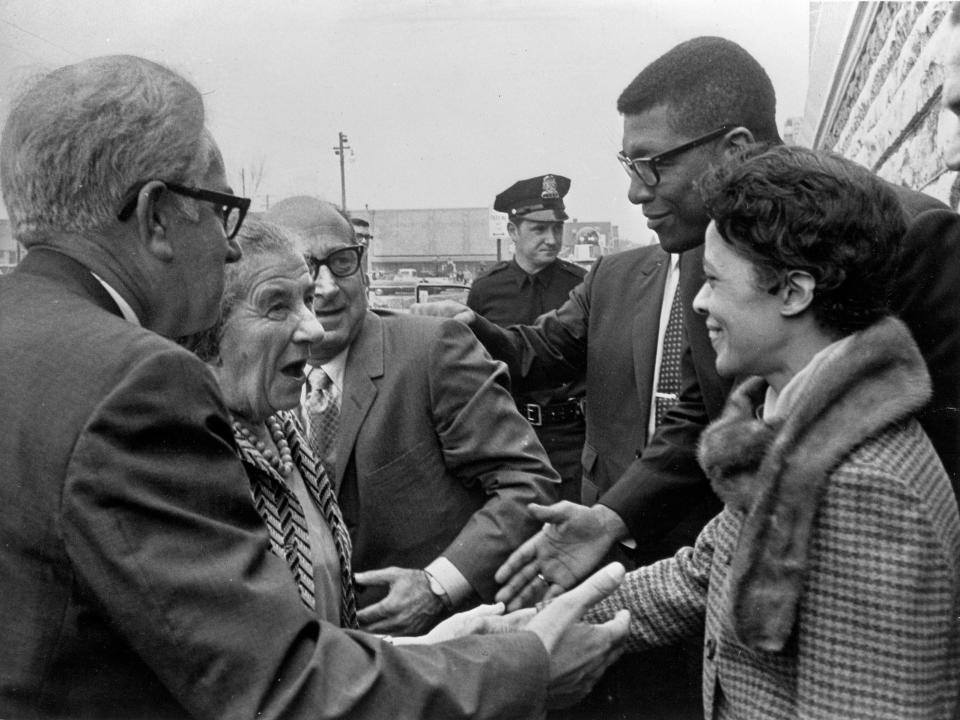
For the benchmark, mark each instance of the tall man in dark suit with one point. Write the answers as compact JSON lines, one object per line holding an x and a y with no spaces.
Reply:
{"x":519,"y":290}
{"x":432,"y":463}
{"x":137,"y":580}
{"x":682,"y":113}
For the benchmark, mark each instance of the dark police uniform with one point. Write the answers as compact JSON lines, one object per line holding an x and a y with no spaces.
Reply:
{"x":507,"y":295}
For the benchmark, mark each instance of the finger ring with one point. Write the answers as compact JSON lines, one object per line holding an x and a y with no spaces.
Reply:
{"x":542,"y":579}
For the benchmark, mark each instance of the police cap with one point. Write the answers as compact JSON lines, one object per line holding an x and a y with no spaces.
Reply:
{"x":539,"y":198}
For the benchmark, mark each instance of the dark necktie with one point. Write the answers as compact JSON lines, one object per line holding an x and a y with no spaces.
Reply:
{"x":323,"y":407}
{"x":668,"y":381}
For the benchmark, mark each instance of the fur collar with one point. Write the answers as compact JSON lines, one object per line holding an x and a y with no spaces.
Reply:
{"x":776,"y":474}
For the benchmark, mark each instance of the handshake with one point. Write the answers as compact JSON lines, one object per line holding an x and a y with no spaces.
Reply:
{"x":579,"y":653}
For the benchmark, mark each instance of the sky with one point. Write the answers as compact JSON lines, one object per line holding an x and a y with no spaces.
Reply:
{"x":444,"y":102}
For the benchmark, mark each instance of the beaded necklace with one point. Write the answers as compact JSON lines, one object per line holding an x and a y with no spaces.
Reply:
{"x":282,"y":459}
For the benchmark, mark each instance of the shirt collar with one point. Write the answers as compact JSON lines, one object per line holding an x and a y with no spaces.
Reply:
{"x":542,"y":278}
{"x":335,"y":368}
{"x":128,"y":314}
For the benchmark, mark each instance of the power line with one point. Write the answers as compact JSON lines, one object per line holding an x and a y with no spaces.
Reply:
{"x":41,"y":38}
{"x":33,"y":56}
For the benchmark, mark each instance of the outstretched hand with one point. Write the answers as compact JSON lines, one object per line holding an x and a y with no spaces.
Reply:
{"x":481,"y":620}
{"x":574,"y":539}
{"x":445,"y":309}
{"x":580,"y":653}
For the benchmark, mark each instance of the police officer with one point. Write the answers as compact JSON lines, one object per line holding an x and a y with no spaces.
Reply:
{"x":517,"y":291}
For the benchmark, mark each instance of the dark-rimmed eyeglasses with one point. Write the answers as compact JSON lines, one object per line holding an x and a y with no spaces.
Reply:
{"x":646,"y":168}
{"x":231,"y":208}
{"x":341,"y":263}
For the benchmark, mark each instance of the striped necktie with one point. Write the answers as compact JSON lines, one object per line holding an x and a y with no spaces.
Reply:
{"x":323,"y":408}
{"x":668,"y":381}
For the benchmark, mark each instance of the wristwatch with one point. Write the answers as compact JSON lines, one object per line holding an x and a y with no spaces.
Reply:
{"x":437,"y":589}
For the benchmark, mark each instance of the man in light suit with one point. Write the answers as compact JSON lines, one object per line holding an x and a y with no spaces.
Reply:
{"x":432,"y":463}
{"x":137,"y":580}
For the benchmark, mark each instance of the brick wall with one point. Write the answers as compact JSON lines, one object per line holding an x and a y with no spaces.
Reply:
{"x":882,"y":102}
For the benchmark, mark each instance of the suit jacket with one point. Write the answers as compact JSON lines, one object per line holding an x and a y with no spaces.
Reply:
{"x":433,"y":457}
{"x":662,"y":495}
{"x":927,"y":299}
{"x":136,"y":575}
{"x":608,"y":332}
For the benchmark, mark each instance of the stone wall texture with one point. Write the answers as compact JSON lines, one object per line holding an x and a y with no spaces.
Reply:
{"x":883,"y":108}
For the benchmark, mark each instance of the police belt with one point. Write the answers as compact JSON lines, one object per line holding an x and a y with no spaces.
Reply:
{"x":552,"y":414}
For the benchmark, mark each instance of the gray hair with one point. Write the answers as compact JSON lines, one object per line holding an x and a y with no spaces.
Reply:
{"x":82,"y":135}
{"x":257,"y":239}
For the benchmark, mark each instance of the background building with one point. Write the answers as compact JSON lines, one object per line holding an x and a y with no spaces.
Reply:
{"x":432,"y":241}
{"x":584,"y":242}
{"x":10,"y":251}
{"x":875,"y":86}
{"x":449,"y":241}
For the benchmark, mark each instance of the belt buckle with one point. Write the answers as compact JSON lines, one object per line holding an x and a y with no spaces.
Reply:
{"x":533,"y":414}
{"x":578,"y":405}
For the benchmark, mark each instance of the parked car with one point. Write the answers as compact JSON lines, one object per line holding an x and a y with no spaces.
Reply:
{"x":434,"y":290}
{"x":392,"y":294}
{"x":401,"y":294}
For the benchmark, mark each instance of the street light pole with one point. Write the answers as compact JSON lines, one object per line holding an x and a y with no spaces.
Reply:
{"x":338,"y":150}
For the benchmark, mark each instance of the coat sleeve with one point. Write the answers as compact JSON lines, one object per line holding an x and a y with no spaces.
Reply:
{"x":163,"y":538}
{"x":658,"y":489}
{"x":485,"y":441}
{"x":667,"y":599}
{"x":551,"y":351}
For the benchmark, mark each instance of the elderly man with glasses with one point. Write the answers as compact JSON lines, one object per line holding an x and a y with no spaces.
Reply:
{"x":137,"y":580}
{"x":432,"y":462}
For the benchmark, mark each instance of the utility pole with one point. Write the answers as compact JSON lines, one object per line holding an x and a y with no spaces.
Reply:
{"x":338,"y":150}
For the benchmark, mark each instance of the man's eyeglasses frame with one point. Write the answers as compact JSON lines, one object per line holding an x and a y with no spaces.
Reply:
{"x":645,"y":168}
{"x":314,"y":263}
{"x":224,"y":200}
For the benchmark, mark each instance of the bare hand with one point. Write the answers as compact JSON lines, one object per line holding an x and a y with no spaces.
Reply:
{"x":573,"y":541}
{"x":580,"y":653}
{"x":409,"y":608}
{"x":445,"y":309}
{"x":481,"y":620}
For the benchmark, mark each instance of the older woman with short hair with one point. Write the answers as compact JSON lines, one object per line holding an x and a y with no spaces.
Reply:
{"x":258,"y":350}
{"x":828,"y":585}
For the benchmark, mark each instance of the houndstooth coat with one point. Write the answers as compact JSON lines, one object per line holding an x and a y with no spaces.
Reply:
{"x":874,"y":616}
